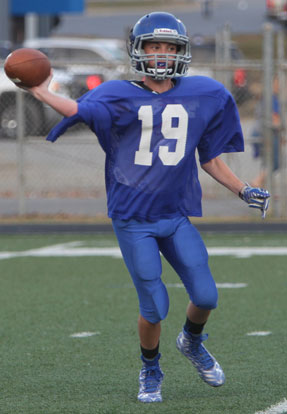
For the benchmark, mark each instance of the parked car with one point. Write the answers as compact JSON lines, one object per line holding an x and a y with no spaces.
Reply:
{"x":78,"y":64}
{"x":38,"y":117}
{"x":89,"y":61}
{"x":203,"y":61}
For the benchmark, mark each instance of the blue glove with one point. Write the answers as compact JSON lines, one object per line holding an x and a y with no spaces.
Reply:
{"x":255,"y":198}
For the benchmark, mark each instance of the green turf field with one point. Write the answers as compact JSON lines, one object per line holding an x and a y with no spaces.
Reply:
{"x":51,"y":294}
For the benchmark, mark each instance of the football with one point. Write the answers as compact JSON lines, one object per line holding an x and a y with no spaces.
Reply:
{"x":27,"y":67}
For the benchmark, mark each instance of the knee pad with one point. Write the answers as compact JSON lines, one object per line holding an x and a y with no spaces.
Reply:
{"x":206,"y":298}
{"x":154,"y":300}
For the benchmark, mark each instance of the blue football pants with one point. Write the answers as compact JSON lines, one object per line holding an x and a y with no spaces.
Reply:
{"x":182,"y":246}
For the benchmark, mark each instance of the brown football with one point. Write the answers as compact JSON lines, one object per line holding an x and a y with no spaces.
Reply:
{"x":27,"y":67}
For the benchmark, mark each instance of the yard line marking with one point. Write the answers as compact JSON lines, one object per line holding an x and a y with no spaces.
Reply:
{"x":174,"y":285}
{"x":75,"y":249}
{"x":259,"y":333}
{"x":84,"y":334}
{"x":231,"y":285}
{"x":64,"y":251}
{"x":218,"y":285}
{"x":280,"y":408}
{"x":245,"y":252}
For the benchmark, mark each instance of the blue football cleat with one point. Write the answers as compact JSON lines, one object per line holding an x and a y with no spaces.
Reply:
{"x":208,"y":368}
{"x":150,"y":380}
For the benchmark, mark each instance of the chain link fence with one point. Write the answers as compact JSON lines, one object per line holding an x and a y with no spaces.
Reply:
{"x":67,"y":178}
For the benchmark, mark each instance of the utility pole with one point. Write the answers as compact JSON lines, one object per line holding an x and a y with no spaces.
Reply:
{"x":31,"y":26}
{"x":268,"y":72}
{"x":5,"y":20}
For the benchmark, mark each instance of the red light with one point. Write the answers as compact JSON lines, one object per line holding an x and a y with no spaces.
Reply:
{"x":239,"y":77}
{"x":93,"y":81}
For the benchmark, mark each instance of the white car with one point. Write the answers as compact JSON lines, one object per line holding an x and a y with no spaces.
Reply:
{"x":38,"y":117}
{"x":89,"y":61}
{"x":78,"y":65}
{"x":80,"y":50}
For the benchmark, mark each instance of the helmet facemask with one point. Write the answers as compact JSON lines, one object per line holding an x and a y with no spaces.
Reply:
{"x":161,"y":70}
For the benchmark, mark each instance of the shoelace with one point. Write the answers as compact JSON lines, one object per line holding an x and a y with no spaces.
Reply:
{"x":200,"y":353}
{"x":152,"y":378}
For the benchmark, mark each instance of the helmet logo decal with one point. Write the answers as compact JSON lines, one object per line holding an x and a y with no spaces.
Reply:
{"x":163,"y":30}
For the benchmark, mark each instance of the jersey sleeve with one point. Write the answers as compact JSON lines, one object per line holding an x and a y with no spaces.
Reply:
{"x":223,"y":133}
{"x":91,"y":111}
{"x":62,"y":126}
{"x":94,"y":113}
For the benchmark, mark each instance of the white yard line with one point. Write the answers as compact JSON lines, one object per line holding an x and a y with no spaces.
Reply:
{"x":75,"y":249}
{"x":231,"y":285}
{"x":84,"y":334}
{"x":243,"y":252}
{"x":218,"y":285}
{"x":280,"y":408}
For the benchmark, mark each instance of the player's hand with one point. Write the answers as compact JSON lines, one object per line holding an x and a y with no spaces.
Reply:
{"x":42,"y":87}
{"x":256,"y":198}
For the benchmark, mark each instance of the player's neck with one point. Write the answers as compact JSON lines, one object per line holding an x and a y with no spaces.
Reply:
{"x":158,"y":86}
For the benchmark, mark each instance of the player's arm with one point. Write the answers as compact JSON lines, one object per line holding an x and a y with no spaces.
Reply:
{"x":220,"y":171}
{"x":254,"y":197}
{"x":65,"y":106}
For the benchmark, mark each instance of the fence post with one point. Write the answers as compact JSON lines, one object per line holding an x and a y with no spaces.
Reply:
{"x":268,"y":63}
{"x":227,"y":55}
{"x":218,"y":54}
{"x":20,"y":152}
{"x":282,"y":142}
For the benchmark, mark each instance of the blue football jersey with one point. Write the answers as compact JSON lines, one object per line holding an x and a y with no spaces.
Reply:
{"x":151,"y":139}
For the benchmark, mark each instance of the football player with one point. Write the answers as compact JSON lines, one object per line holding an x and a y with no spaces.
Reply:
{"x":150,"y":131}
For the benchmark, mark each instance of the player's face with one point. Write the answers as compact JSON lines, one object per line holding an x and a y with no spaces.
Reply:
{"x":160,"y":48}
